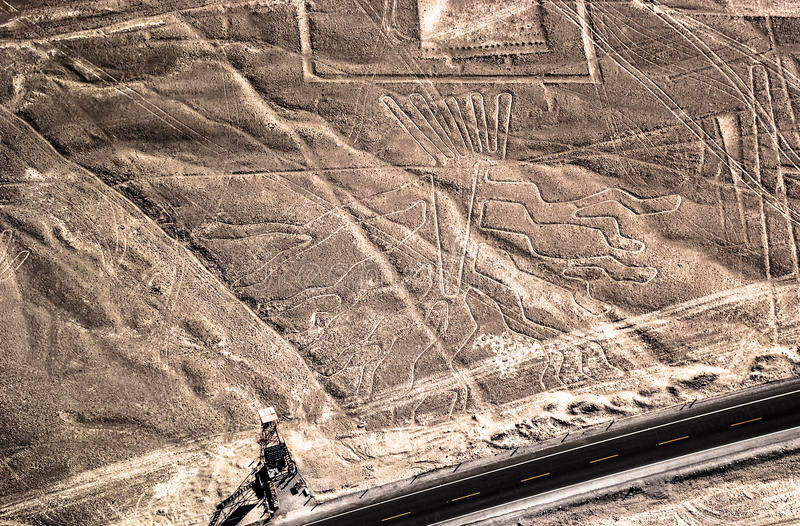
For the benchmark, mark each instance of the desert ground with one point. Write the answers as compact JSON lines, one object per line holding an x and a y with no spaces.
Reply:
{"x":758,"y":491}
{"x":423,"y":230}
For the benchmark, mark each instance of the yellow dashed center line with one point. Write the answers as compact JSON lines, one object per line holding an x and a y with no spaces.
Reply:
{"x":591,"y":462}
{"x":466,"y":496}
{"x":602,"y":459}
{"x":673,"y":440}
{"x":746,"y":421}
{"x":396,"y":516}
{"x":536,"y":477}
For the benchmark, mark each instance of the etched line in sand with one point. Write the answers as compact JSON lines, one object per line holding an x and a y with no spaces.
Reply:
{"x":454,"y":127}
{"x":780,"y":254}
{"x":463,"y":146}
{"x":657,"y":320}
{"x":683,"y":26}
{"x":413,"y":69}
{"x":9,"y":261}
{"x":767,"y":163}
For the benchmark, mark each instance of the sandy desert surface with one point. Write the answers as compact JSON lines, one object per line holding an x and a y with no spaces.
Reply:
{"x":424,"y":230}
{"x":761,"y":491}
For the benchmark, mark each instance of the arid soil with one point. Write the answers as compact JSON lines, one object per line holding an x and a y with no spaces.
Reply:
{"x":422,"y":229}
{"x":761,"y":491}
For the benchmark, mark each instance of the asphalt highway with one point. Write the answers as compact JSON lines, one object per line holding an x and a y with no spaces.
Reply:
{"x":703,"y":426}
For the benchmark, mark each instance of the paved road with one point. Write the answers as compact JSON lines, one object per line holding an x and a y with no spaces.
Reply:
{"x":707,"y":425}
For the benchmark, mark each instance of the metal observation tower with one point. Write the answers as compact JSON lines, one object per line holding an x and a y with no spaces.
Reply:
{"x":259,"y":488}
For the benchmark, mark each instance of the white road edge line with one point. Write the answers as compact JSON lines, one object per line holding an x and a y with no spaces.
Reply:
{"x":555,"y":454}
{"x":611,"y":475}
